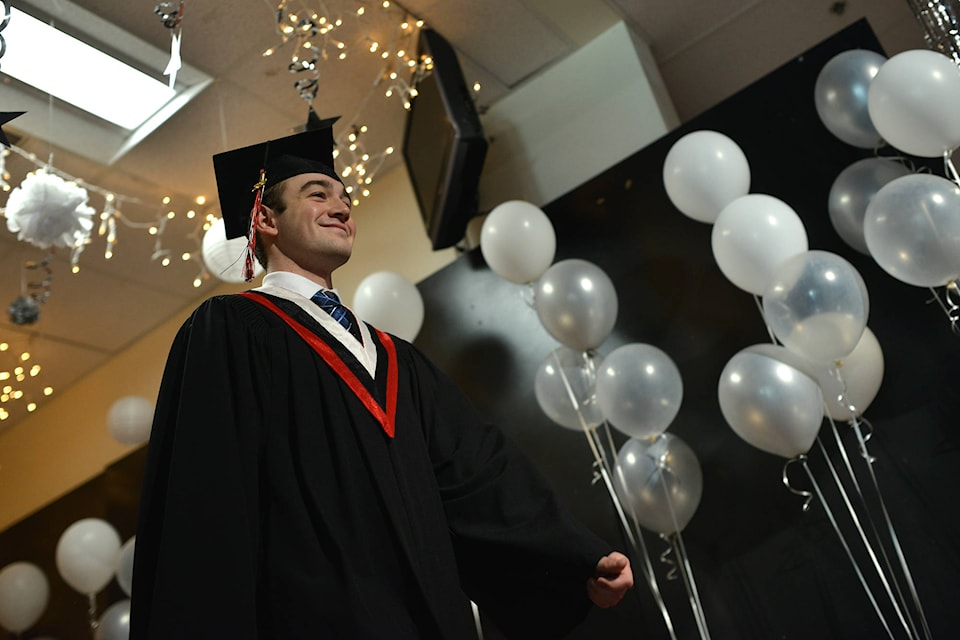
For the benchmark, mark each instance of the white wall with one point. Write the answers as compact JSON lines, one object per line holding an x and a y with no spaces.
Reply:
{"x":596,"y":107}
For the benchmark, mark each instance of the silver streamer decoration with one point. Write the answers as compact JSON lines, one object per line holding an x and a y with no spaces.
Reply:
{"x":941,"y":27}
{"x":25,"y":309}
{"x":3,"y":25}
{"x":332,"y":34}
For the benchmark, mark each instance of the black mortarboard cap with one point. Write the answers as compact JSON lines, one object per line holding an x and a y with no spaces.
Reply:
{"x":238,"y":171}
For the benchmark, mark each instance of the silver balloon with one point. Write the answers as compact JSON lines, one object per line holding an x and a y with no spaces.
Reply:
{"x":852,"y":191}
{"x":840,"y":94}
{"x":563,"y":373}
{"x":115,"y":622}
{"x":912,"y":229}
{"x":639,"y":390}
{"x":576,"y":303}
{"x":817,"y":305}
{"x":658,"y":480}
{"x":772,"y":405}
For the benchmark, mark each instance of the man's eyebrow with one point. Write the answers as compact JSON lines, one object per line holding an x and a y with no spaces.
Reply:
{"x":326,"y":184}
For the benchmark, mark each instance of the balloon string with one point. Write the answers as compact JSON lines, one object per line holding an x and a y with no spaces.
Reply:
{"x":636,"y":542}
{"x":785,"y":478}
{"x":92,"y":613}
{"x":668,"y":561}
{"x":894,"y":539}
{"x":686,"y":572}
{"x":476,"y":619}
{"x":898,"y":602}
{"x":816,"y":487}
{"x":950,"y":307}
{"x":949,"y":169}
{"x":759,"y":303}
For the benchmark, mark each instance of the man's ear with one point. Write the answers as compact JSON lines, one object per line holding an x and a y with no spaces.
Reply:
{"x":266,"y":223}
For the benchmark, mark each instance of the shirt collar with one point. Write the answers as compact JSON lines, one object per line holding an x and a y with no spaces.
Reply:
{"x":294,"y":282}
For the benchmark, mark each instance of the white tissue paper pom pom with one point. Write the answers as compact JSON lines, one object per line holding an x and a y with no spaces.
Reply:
{"x":47,"y":211}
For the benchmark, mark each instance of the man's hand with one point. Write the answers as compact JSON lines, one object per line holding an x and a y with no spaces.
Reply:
{"x":611,"y":581}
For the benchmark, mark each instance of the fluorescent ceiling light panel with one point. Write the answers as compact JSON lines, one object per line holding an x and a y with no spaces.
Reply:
{"x":75,"y":72}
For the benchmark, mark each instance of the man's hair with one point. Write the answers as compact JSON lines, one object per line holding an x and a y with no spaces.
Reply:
{"x":273,"y":198}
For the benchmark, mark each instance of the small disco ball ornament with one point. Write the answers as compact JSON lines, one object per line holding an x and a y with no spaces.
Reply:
{"x":170,"y":13}
{"x":24,"y":310}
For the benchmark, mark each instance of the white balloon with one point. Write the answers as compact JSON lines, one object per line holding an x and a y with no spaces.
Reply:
{"x":852,"y":383}
{"x":639,"y":390}
{"x":224,"y":258}
{"x":115,"y":622}
{"x":703,"y":172}
{"x":817,"y":305}
{"x":752,"y":236}
{"x":576,"y":303}
{"x":391,"y":303}
{"x":851,"y":193}
{"x":125,"y":565}
{"x":912,"y":229}
{"x":659,"y":481}
{"x":517,"y":241}
{"x":24,"y":594}
{"x":563,"y":373}
{"x":87,"y":554}
{"x":840,"y":95}
{"x":771,"y":404}
{"x":130,"y":420}
{"x":912,"y":102}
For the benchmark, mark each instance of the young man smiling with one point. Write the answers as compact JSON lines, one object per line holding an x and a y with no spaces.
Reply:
{"x":310,"y":476}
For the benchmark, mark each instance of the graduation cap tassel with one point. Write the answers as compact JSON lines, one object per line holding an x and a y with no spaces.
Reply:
{"x":249,"y":256}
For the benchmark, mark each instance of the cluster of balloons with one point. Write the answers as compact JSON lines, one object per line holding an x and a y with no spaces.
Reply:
{"x":391,"y":303}
{"x":904,"y":220}
{"x":636,"y":388}
{"x":88,"y":556}
{"x":815,"y":303}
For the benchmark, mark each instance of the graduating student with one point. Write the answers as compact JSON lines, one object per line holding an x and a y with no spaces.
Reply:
{"x":312,"y":477}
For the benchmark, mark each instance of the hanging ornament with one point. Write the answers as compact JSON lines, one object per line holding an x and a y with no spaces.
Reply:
{"x":171,"y":14}
{"x":47,"y":211}
{"x":6,"y":116}
{"x":25,"y":309}
{"x":3,"y":25}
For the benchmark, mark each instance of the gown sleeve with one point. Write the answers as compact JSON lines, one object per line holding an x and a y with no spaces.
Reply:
{"x":196,"y":555}
{"x":522,"y":557}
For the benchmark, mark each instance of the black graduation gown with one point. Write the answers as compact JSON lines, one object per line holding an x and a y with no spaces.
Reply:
{"x":274,"y":505}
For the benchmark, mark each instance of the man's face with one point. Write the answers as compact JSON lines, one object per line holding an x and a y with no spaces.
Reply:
{"x":316,"y":230}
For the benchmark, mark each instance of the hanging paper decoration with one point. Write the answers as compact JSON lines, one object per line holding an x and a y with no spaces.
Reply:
{"x":171,"y":14}
{"x":47,"y":211}
{"x":6,"y":116}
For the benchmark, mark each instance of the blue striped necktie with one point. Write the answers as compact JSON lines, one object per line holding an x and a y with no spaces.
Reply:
{"x":329,"y":302}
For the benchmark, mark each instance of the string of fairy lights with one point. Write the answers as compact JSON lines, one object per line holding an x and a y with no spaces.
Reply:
{"x":318,"y":36}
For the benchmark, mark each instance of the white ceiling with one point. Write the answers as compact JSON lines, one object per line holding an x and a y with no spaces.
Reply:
{"x":706,"y":51}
